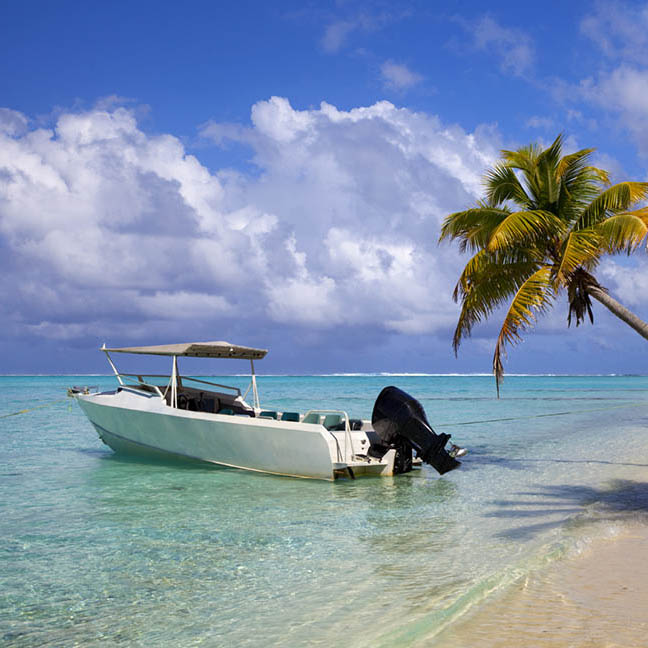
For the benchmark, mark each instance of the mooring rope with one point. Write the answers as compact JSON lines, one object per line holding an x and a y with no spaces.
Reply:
{"x":530,"y":416}
{"x":31,"y":409}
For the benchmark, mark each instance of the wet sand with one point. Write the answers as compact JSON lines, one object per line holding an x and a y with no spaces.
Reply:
{"x":598,"y":598}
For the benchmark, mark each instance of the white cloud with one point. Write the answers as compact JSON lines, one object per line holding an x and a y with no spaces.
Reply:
{"x":277,"y":120}
{"x":620,"y":85}
{"x":544,"y":123}
{"x":513,"y":47}
{"x":107,"y":228}
{"x":623,"y":91}
{"x":12,"y":122}
{"x":336,"y":34}
{"x":625,"y":88}
{"x":619,"y":29}
{"x":627,"y":282}
{"x":398,"y":76}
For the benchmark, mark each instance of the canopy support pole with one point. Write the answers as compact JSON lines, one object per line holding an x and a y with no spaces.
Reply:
{"x":174,"y":382}
{"x":255,"y":392}
{"x":112,"y":364}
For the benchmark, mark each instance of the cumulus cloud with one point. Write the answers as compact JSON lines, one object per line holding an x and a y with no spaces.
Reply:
{"x":12,"y":122}
{"x":108,"y":229}
{"x":398,"y":76}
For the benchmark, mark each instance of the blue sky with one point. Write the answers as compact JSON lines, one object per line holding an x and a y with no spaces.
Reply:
{"x":275,"y":174}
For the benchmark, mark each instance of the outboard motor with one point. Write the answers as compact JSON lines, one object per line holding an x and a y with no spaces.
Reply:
{"x":400,"y":422}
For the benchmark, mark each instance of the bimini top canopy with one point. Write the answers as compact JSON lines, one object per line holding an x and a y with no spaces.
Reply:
{"x":197,"y":350}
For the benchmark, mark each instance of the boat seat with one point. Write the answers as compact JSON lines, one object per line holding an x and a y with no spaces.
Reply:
{"x":290,"y":416}
{"x":198,"y":403}
{"x":233,"y":409}
{"x":332,"y":420}
{"x":313,"y":417}
{"x":268,"y":414}
{"x":354,"y":424}
{"x":209,"y":405}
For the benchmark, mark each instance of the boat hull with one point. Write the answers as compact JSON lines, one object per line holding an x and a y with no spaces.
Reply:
{"x":144,"y":425}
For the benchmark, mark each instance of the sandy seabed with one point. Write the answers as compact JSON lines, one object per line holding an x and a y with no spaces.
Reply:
{"x":598,"y":598}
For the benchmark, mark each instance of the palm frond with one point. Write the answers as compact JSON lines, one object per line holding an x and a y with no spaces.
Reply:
{"x":619,"y":197}
{"x":472,"y":226}
{"x":487,"y":282}
{"x":525,"y":227}
{"x":579,"y":185}
{"x":624,"y":232}
{"x":600,"y":175}
{"x":524,"y":158}
{"x":539,"y":172}
{"x":490,"y":266}
{"x":533,"y":298}
{"x":572,"y":162}
{"x":582,"y":248}
{"x":552,"y":154}
{"x":502,"y":185}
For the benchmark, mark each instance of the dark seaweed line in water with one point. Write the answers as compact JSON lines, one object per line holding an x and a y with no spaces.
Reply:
{"x":530,"y":416}
{"x":31,"y":409}
{"x":516,"y":399}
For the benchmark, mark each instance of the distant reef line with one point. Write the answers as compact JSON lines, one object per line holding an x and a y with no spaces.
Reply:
{"x":382,"y":374}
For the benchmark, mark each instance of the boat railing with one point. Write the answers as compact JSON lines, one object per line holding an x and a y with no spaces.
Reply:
{"x":139,"y":378}
{"x":236,"y":390}
{"x":348,"y":442}
{"x":140,"y":383}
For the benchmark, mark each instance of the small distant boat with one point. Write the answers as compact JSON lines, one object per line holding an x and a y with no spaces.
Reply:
{"x":192,"y":418}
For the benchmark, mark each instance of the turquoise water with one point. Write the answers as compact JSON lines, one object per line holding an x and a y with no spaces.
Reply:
{"x":100,"y":550}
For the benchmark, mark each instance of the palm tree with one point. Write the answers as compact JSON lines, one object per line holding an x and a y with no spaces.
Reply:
{"x":545,"y":222}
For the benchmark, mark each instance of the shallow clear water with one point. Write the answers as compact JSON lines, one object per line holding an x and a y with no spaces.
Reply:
{"x":99,"y":549}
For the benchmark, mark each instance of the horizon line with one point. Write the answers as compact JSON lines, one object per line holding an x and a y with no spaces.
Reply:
{"x":376,"y":374}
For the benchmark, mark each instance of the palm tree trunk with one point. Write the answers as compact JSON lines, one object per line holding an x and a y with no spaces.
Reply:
{"x":619,"y":310}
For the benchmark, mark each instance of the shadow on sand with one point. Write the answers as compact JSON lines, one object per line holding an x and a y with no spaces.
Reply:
{"x":621,"y":501}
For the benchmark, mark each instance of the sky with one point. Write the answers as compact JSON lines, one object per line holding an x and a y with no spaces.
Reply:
{"x":275,"y":175}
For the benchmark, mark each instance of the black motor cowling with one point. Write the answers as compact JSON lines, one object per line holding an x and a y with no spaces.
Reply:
{"x":400,"y":422}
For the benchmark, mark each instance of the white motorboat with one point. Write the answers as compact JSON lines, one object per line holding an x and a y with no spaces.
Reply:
{"x":193,"y":418}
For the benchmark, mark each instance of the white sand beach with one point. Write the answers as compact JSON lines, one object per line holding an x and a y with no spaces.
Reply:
{"x":596,"y":599}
